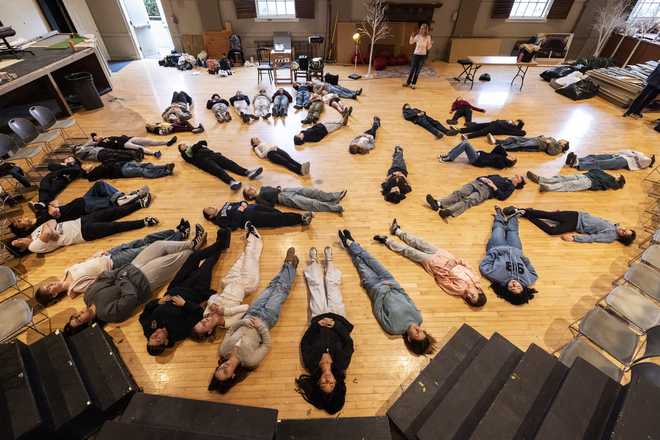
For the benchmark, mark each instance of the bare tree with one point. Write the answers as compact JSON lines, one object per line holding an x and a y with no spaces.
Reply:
{"x":374,"y":26}
{"x":641,"y":27}
{"x":610,"y":15}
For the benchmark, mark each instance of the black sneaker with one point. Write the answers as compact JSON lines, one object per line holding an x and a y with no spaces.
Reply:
{"x":380,"y":239}
{"x":291,"y":257}
{"x":184,"y":228}
{"x":171,"y":141}
{"x":200,"y":237}
{"x":452,"y":121}
{"x":157,"y":154}
{"x":510,"y":210}
{"x":452,"y":132}
{"x":348,"y":235}
{"x":444,"y":213}
{"x":652,"y":160}
{"x":377,"y":121}
{"x":444,"y":158}
{"x":170,"y":168}
{"x":250,"y":229}
{"x":342,"y":238}
{"x":235,"y":185}
{"x":394,"y":227}
{"x":253,"y":174}
{"x":433,"y":203}
{"x":571,"y":158}
{"x":151,"y":221}
{"x":145,"y":201}
{"x":533,"y":177}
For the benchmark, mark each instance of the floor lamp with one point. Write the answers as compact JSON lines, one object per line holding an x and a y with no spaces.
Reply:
{"x":356,"y":55}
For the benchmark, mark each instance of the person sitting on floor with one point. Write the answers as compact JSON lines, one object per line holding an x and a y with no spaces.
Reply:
{"x":475,"y":193}
{"x":307,"y":199}
{"x":454,"y":276}
{"x":281,"y":100}
{"x":317,"y":132}
{"x":303,"y":94}
{"x":497,"y":158}
{"x":396,"y":186}
{"x":623,"y":160}
{"x":497,"y":127}
{"x":219,"y":107}
{"x":462,"y":109}
{"x":419,"y":117}
{"x":394,"y":310}
{"x":510,"y":272}
{"x":241,"y":104}
{"x":314,"y":108}
{"x":234,"y":215}
{"x":171,"y":319}
{"x":116,"y":293}
{"x":125,"y":170}
{"x":80,"y":276}
{"x":592,"y":180}
{"x":326,"y":347}
{"x":261,"y":103}
{"x":248,"y":341}
{"x":60,"y":175}
{"x":549,"y":145}
{"x":365,"y":142}
{"x":216,"y":164}
{"x":577,"y":226}
{"x":278,"y":156}
{"x":130,"y":143}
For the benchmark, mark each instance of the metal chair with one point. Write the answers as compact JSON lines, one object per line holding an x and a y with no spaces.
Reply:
{"x":48,"y":122}
{"x":651,"y":256}
{"x":11,"y":147}
{"x":579,"y":347}
{"x":628,"y":303}
{"x":29,"y":133}
{"x":16,"y":315}
{"x":645,"y":278}
{"x":264,"y":65}
{"x":646,"y":372}
{"x":652,"y":344}
{"x":610,"y":334}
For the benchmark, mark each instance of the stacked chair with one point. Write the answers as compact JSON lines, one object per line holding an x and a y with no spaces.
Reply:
{"x":18,"y":311}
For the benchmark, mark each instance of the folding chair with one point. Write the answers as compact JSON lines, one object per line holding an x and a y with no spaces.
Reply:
{"x":652,"y":344}
{"x":579,"y":347}
{"x":11,"y":147}
{"x":645,"y":278}
{"x":651,"y":256}
{"x":16,"y":315}
{"x":648,"y":372}
{"x":30,"y":135}
{"x":47,"y":121}
{"x":628,"y":303}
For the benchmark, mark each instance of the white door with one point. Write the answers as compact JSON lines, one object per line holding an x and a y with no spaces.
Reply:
{"x":138,"y":19}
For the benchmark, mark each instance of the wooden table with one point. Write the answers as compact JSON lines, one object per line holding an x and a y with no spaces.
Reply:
{"x":281,"y":60}
{"x":475,"y":62}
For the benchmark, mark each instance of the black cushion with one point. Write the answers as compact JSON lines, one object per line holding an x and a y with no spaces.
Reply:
{"x":7,"y":31}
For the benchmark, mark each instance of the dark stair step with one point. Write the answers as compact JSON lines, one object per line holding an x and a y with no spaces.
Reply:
{"x":521,"y":405}
{"x":19,"y":413}
{"x":343,"y":428}
{"x":466,"y":402}
{"x":235,"y":422}
{"x":134,"y":431}
{"x":421,"y":397}
{"x":582,"y":406}
{"x":638,"y":418}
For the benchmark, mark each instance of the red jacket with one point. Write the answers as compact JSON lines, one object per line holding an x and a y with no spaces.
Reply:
{"x":461,"y":103}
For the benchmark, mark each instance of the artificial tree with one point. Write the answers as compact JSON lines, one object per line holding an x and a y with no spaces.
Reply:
{"x":374,"y":26}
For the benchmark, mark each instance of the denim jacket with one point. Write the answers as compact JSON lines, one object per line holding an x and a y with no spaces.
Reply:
{"x":594,"y":229}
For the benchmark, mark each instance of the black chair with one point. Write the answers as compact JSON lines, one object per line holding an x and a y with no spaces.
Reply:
{"x":6,"y":32}
{"x":264,"y":65}
{"x":647,"y":372}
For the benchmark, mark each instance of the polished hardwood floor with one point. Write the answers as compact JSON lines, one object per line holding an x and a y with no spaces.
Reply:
{"x":571,"y":276}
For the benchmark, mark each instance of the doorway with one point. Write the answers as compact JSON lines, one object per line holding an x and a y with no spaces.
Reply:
{"x":149,"y":27}
{"x":57,"y":16}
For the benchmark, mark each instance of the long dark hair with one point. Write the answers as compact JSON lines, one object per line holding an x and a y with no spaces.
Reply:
{"x":223,"y":386}
{"x":22,"y":231}
{"x":43,"y":297}
{"x":425,"y":346}
{"x":516,"y":299}
{"x":308,"y":387}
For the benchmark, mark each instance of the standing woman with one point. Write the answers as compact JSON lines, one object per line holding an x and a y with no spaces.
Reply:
{"x":327,"y":346}
{"x":423,"y":43}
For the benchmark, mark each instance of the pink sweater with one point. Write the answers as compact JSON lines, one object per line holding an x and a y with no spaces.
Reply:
{"x":454,"y":276}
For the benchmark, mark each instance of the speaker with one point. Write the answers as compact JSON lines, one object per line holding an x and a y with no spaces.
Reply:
{"x":19,"y":412}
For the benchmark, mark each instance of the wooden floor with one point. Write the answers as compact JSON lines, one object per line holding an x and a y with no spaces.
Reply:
{"x":571,"y":276}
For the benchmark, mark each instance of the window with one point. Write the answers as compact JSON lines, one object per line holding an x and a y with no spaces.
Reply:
{"x":269,"y":9}
{"x":530,"y":10}
{"x":646,"y":9}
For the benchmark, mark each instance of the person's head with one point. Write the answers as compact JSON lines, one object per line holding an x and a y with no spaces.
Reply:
{"x":95,"y":137}
{"x":210,"y":213}
{"x":255,"y":141}
{"x":514,"y":292}
{"x":328,"y":394}
{"x":70,"y":161}
{"x":299,"y":139}
{"x":518,"y":181}
{"x":353,"y":149}
{"x":205,"y":328}
{"x":406,"y":106}
{"x":625,"y":236}
{"x":215,"y":97}
{"x":475,"y":297}
{"x":50,"y":292}
{"x":519,"y":123}
{"x":226,"y":375}
{"x":21,"y":244}
{"x":250,"y":192}
{"x":158,"y":341}
{"x":79,"y":321}
{"x":564,"y":144}
{"x":418,"y":340}
{"x":424,"y":29}
{"x":183,"y":147}
{"x":22,"y":226}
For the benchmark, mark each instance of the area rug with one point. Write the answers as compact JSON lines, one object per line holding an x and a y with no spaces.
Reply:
{"x":403,"y":71}
{"x":116,"y":66}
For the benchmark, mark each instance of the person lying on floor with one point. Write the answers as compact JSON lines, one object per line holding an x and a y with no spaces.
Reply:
{"x":365,"y":142}
{"x":219,"y":107}
{"x":281,"y":100}
{"x":60,"y":175}
{"x":497,"y":127}
{"x":261,"y":103}
{"x":577,"y":226}
{"x":303,"y":94}
{"x":171,"y":319}
{"x":93,"y":153}
{"x":125,"y":170}
{"x":548,"y":145}
{"x":592,"y":180}
{"x":101,"y":195}
{"x":474,"y":193}
{"x":452,"y":275}
{"x":344,"y":93}
{"x":98,"y":224}
{"x":333,"y":100}
{"x":241,"y":104}
{"x":623,"y":160}
{"x":307,"y":199}
{"x":117,"y":293}
{"x":226,"y":308}
{"x":326,"y":347}
{"x":278,"y":156}
{"x":419,"y":117}
{"x":234,"y":215}
{"x":216,"y":164}
{"x":248,"y":341}
{"x":462,"y":109}
{"x":167,"y":128}
{"x":396,"y":186}
{"x":394,"y":310}
{"x":317,"y":132}
{"x":497,"y":158}
{"x":130,"y":143}
{"x":180,"y":108}
{"x":506,"y":267}
{"x":314,"y":109}
{"x":80,"y":276}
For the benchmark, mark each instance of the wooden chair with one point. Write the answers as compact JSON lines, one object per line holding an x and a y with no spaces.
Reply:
{"x":264,"y":65}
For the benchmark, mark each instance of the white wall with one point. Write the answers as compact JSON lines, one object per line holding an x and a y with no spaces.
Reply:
{"x":114,"y":29}
{"x":25,"y":17}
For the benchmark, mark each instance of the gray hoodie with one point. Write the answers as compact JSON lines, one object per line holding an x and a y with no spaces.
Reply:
{"x":504,"y":263}
{"x":117,"y":293}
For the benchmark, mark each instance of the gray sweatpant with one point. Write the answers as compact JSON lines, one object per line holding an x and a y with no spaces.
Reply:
{"x":161,"y":260}
{"x":471,"y":194}
{"x":411,"y":247}
{"x":574,"y":183}
{"x":310,"y":199}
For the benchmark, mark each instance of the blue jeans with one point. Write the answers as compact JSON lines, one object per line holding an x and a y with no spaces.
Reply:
{"x":267,"y":306}
{"x":505,"y":233}
{"x":146,"y":170}
{"x":100,"y":196}
{"x":602,"y":162}
{"x":126,"y":252}
{"x":463,"y":147}
{"x":342,"y":92}
{"x":372,"y":272}
{"x":302,"y":97}
{"x":280,"y":105}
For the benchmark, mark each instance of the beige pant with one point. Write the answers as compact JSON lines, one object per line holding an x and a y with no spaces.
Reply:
{"x":324,"y":289}
{"x":161,"y":260}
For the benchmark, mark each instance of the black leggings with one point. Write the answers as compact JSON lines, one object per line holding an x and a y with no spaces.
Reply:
{"x":281,"y":157}
{"x":553,"y":222}
{"x":373,"y":129}
{"x":645,"y":98}
{"x":463,"y":113}
{"x":218,"y":165}
{"x":483,"y":129}
{"x":101,"y":223}
{"x":415,"y":68}
{"x":198,"y":277}
{"x":266,"y":217}
{"x":181,"y":97}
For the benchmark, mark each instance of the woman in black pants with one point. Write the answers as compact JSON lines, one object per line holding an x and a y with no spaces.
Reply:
{"x":59,"y":177}
{"x":551,"y":222}
{"x":278,"y":156}
{"x":423,"y":43}
{"x":502,"y":127}
{"x":396,"y":186}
